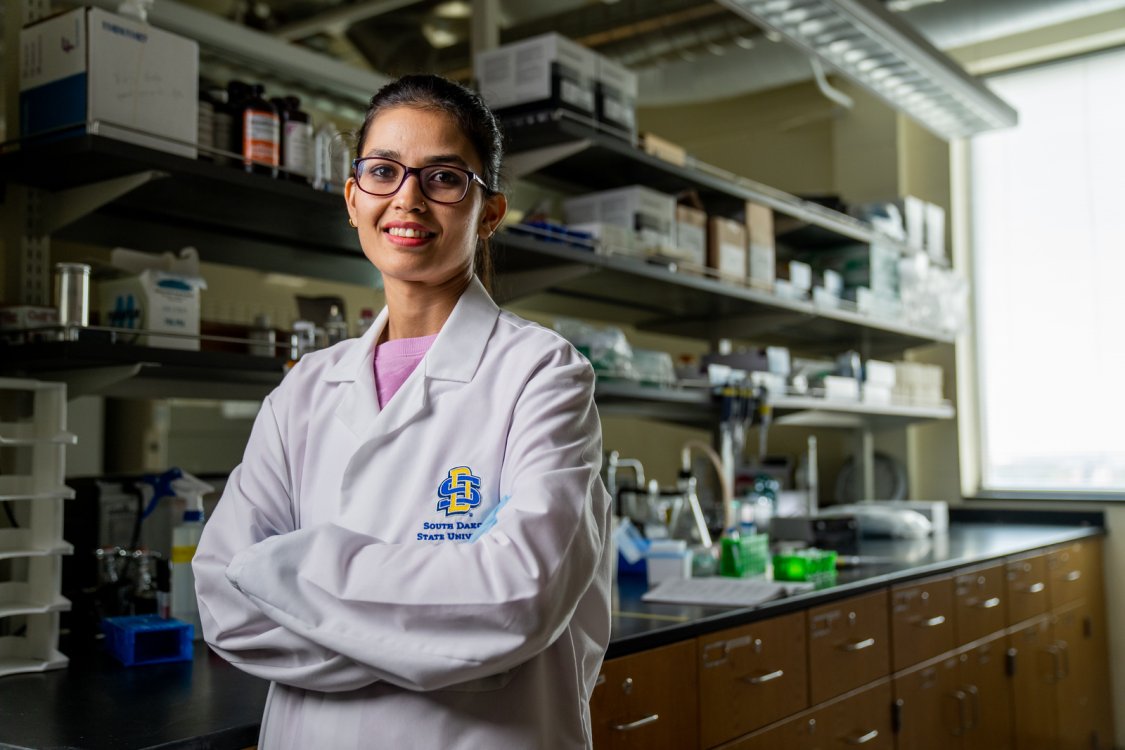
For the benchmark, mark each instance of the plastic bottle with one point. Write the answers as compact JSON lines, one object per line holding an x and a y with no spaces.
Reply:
{"x":185,"y":538}
{"x":261,"y":134}
{"x":335,"y":328}
{"x":366,"y":320}
{"x":205,"y":129}
{"x":322,"y":157}
{"x":264,"y":337}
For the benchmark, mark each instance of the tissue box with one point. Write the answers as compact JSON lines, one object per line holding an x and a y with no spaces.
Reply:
{"x":156,"y":301}
{"x":119,"y":76}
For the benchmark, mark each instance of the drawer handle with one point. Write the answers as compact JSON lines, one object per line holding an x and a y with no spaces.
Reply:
{"x":857,"y":645}
{"x":767,"y":677}
{"x":989,"y":603}
{"x":1035,"y":588}
{"x":933,"y":622}
{"x":650,"y":719}
{"x":1073,"y":575}
{"x":863,"y":739}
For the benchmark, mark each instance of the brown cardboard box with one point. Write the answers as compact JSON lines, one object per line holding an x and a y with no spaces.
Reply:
{"x":726,"y":247}
{"x":663,"y":149}
{"x":763,"y":253}
{"x":691,"y":235}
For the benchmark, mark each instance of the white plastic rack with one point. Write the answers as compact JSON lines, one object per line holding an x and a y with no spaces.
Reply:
{"x":33,"y":449}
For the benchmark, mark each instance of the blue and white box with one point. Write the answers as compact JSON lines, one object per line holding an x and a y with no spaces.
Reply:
{"x":109,"y":75}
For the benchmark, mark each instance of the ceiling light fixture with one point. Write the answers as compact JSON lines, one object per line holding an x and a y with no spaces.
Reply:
{"x":868,"y":45}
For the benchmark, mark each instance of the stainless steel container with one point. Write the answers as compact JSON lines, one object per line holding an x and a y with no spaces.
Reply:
{"x":72,"y":296}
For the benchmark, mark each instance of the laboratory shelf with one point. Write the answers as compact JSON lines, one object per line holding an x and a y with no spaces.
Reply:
{"x":560,"y":146}
{"x":61,"y":493}
{"x":12,"y":663}
{"x":94,"y":365}
{"x":660,"y":298}
{"x":696,"y":407}
{"x":111,"y":193}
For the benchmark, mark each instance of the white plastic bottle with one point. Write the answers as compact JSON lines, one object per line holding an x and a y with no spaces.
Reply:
{"x":185,"y":538}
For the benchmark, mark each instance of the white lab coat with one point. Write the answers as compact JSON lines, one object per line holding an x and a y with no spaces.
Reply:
{"x":432,"y":575}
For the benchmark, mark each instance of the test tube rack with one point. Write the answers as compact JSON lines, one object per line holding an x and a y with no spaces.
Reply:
{"x":33,"y":441}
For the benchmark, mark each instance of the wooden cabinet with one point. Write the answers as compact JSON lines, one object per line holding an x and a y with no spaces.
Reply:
{"x":751,"y":676}
{"x":1033,"y":685}
{"x":921,"y":621}
{"x":930,"y":707}
{"x":983,"y":678}
{"x":979,"y":597}
{"x":1027,"y":587}
{"x":849,"y":645}
{"x":647,"y":701}
{"x":1069,"y":572}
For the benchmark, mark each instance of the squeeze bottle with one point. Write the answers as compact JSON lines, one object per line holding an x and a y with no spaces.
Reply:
{"x":185,"y":538}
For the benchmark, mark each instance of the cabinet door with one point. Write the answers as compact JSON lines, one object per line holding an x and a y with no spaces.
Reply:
{"x":932,"y":709}
{"x":1077,"y":702}
{"x":849,"y":645}
{"x":1027,"y":588}
{"x":985,"y":683}
{"x":751,"y":676}
{"x":921,"y":621}
{"x":1033,"y":685}
{"x":979,"y":596}
{"x":784,"y":736}
{"x":647,"y":701}
{"x":862,"y":719}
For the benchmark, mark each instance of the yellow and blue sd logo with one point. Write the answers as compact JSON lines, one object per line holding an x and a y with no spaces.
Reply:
{"x":459,"y":492}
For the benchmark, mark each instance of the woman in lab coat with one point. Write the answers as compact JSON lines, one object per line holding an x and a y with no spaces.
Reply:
{"x":418,"y":558}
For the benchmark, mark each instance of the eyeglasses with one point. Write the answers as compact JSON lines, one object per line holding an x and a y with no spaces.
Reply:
{"x":440,"y":183}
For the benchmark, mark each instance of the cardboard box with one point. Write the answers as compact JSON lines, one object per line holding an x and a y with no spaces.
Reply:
{"x":691,"y":235}
{"x":650,"y":214}
{"x":155,"y":301}
{"x":545,"y":71}
{"x":663,"y":149}
{"x":615,"y":93}
{"x":117,"y":76}
{"x":763,"y":251}
{"x":726,"y":247}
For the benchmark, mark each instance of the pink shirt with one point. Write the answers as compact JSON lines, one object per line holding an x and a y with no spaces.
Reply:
{"x":394,"y":361}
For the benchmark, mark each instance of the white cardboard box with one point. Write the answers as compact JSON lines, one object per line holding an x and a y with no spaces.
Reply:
{"x":156,"y":301}
{"x":549,"y":69}
{"x":123,"y":78}
{"x":648,"y":213}
{"x":616,"y":91}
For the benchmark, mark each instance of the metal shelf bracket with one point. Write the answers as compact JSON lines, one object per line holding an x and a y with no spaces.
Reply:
{"x":69,"y":205}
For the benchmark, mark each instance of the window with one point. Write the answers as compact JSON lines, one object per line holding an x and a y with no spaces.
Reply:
{"x":1048,"y":224}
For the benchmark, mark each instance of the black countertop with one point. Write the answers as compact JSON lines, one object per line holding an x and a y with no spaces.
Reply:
{"x":207,"y":704}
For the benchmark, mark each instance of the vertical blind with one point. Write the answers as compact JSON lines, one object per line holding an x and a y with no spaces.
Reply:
{"x":1048,"y":219}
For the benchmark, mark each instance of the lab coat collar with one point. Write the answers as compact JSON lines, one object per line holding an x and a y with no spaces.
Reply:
{"x":454,"y":355}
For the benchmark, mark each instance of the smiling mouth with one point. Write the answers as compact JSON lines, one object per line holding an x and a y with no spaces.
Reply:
{"x":415,"y":234}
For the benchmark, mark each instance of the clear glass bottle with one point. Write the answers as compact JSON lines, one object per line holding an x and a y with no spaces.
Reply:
{"x":336,"y":328}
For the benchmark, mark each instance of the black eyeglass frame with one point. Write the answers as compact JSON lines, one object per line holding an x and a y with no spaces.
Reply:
{"x":417,"y":172}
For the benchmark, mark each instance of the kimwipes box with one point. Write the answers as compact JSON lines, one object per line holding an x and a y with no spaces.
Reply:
{"x":160,"y":295}
{"x":117,"y":76}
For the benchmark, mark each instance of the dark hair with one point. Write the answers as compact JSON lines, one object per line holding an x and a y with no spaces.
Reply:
{"x":472,"y":116}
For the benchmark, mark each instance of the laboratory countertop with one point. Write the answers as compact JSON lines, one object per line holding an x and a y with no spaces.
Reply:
{"x":207,"y":704}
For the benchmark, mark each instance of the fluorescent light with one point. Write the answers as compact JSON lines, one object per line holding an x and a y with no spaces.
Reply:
{"x":865,"y":43}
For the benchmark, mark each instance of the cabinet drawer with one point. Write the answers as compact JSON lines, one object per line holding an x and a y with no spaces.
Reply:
{"x":979,"y":596}
{"x":1069,"y":573}
{"x":1027,"y":587}
{"x":848,"y":645}
{"x":647,"y":701}
{"x":751,"y":676}
{"x":921,"y":621}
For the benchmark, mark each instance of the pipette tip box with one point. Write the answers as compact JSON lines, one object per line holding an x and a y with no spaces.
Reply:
{"x":147,"y":639}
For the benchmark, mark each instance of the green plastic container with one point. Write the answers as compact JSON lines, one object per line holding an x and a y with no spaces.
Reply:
{"x":743,"y":556}
{"x":812,"y":565}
